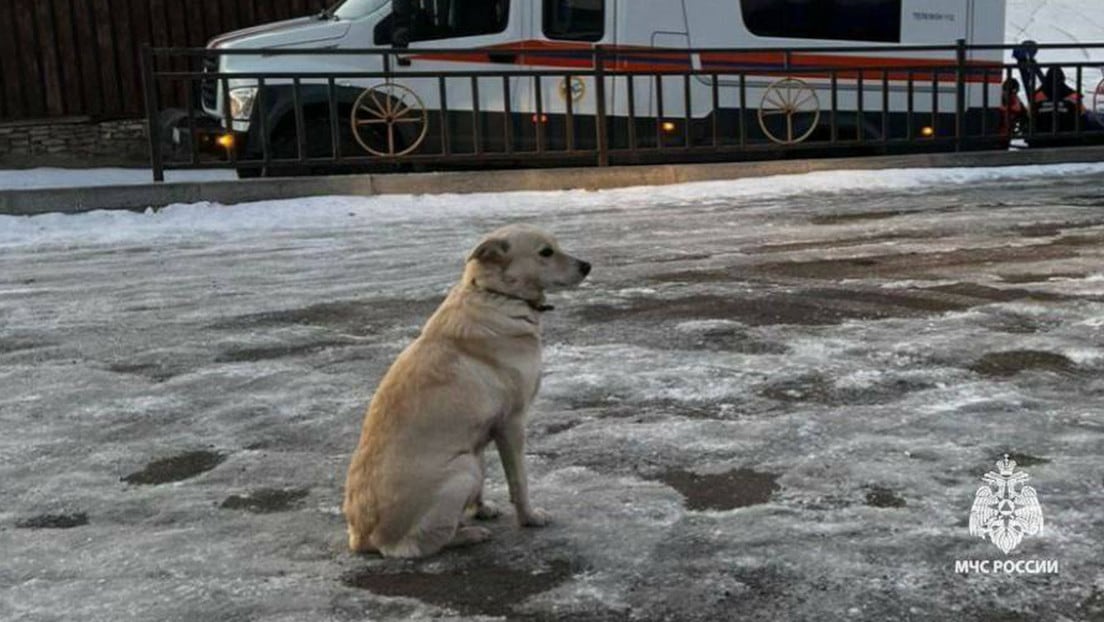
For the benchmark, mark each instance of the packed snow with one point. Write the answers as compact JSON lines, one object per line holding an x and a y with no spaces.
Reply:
{"x":28,"y":179}
{"x":774,"y":398}
{"x":415,"y":211}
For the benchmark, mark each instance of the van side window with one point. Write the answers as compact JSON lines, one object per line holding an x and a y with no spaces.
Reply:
{"x":845,"y":20}
{"x":575,"y":20}
{"x":429,"y":20}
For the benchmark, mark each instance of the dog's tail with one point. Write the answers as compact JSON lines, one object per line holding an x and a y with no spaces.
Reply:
{"x":367,"y":535}
{"x":359,"y":508}
{"x":361,"y":518}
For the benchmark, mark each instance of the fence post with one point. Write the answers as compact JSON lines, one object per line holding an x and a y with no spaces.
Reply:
{"x":600,"y":105}
{"x":960,"y":90}
{"x":153,"y":124}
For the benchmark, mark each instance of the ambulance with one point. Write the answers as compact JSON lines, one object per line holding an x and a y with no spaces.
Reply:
{"x":456,"y":77}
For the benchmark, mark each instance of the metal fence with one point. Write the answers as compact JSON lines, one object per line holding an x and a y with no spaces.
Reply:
{"x":602,"y":106}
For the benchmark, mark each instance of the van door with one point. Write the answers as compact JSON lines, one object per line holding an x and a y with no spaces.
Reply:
{"x":651,"y":42}
{"x":986,"y":28}
{"x":476,"y":28}
{"x":570,"y":29}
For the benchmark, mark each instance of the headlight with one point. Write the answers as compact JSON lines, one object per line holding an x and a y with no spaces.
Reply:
{"x":241,"y":102}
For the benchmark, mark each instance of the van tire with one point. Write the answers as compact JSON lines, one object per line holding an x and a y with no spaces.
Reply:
{"x":283,"y":144}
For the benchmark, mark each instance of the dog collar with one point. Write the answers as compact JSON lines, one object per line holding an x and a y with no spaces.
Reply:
{"x":539,"y":307}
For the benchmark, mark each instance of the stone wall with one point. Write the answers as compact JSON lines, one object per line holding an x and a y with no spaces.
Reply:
{"x":73,"y":142}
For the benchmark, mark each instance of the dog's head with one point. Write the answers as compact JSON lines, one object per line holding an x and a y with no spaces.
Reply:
{"x":523,"y":261}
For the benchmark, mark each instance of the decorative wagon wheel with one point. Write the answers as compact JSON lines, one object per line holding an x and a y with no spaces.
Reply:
{"x":789,"y":111}
{"x":378,"y":113}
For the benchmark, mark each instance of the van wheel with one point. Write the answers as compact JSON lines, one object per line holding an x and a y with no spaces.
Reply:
{"x":318,"y":143}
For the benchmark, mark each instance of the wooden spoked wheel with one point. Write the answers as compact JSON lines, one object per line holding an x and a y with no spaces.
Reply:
{"x":386,"y":116}
{"x":789,"y":111}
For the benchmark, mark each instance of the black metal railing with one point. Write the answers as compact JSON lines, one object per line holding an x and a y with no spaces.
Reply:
{"x":605,"y":105}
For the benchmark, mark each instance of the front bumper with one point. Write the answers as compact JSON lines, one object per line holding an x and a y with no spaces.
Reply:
{"x":203,"y":134}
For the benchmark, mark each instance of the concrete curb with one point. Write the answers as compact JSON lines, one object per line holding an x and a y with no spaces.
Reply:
{"x":140,"y":197}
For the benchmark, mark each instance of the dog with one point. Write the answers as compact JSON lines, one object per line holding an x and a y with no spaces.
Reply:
{"x":468,"y":379}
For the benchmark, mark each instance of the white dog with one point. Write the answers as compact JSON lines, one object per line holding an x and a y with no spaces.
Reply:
{"x":467,"y":380}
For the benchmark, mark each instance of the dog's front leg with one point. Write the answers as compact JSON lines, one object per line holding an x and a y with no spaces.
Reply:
{"x":510,"y":441}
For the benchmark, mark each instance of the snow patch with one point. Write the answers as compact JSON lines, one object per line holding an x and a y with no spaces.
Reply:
{"x":34,"y":178}
{"x":1084,"y":356}
{"x":704,"y":326}
{"x":410,"y":212}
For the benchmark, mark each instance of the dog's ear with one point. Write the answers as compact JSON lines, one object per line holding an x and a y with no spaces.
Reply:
{"x":493,"y":250}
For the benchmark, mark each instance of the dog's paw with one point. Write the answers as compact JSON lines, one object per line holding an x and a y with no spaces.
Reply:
{"x":534,"y":518}
{"x":486,"y":511}
{"x":467,"y":536}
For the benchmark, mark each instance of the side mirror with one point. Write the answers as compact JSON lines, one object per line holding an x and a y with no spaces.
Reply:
{"x":401,"y":23}
{"x":400,"y":37}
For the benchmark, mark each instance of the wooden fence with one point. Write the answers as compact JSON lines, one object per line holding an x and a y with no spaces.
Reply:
{"x":63,"y":58}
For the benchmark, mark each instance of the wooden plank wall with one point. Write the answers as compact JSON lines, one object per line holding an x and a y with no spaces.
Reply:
{"x":65,"y":58}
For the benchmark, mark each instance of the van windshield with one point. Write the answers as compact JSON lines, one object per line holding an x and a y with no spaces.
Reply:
{"x":431,"y":20}
{"x":353,"y":9}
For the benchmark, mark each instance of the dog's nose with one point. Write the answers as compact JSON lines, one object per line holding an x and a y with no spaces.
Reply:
{"x":584,"y":267}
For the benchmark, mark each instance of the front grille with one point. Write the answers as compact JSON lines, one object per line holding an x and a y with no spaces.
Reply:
{"x":209,"y":88}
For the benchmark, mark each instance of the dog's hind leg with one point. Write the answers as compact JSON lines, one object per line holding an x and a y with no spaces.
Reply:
{"x":486,"y":511}
{"x":469,"y":535}
{"x":440,"y":526}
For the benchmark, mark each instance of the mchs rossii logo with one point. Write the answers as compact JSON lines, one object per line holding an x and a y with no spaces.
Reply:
{"x":1005,"y":511}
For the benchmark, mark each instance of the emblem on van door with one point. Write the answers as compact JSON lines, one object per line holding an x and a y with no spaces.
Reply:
{"x":1002,"y":512}
{"x":389,"y":120}
{"x":578,"y":88}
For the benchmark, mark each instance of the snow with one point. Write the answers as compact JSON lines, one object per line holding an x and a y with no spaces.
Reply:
{"x":832,"y":333}
{"x":411,"y":211}
{"x":830,"y":338}
{"x":27,"y":179}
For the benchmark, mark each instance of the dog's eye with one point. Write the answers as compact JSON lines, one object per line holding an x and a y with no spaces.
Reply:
{"x":547,"y":252}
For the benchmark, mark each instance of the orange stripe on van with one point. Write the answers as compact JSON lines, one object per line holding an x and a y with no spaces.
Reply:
{"x":812,"y":65}
{"x":642,"y":59}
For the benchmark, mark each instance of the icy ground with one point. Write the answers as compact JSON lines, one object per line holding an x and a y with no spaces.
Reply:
{"x":773,"y":400}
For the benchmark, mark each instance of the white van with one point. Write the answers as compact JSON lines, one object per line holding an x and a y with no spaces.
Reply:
{"x":761,"y":70}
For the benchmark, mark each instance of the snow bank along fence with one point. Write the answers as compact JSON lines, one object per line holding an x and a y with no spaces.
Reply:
{"x":599,"y":105}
